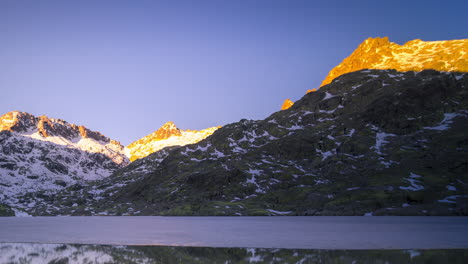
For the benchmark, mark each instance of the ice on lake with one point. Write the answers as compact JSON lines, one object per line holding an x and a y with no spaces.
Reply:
{"x":293,"y":232}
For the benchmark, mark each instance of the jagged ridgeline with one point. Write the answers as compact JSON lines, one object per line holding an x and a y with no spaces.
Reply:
{"x":166,"y":136}
{"x":391,"y":140}
{"x":378,"y":142}
{"x":414,"y":55}
{"x":41,"y":155}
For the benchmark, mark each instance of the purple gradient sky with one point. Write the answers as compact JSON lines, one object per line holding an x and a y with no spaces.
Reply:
{"x":126,"y":67}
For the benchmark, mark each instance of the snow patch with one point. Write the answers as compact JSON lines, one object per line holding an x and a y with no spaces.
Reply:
{"x":459,"y":77}
{"x":445,"y":123}
{"x":328,"y":96}
{"x":414,"y":184}
{"x":451,"y":188}
{"x":451,"y":199}
{"x":19,"y":213}
{"x":380,"y":141}
{"x":279,"y":212}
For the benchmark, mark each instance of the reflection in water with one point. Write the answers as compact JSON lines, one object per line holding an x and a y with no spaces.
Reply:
{"x":61,"y":253}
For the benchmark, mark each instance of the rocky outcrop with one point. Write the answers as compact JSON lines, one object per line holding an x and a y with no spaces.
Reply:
{"x":168,"y":130}
{"x":414,"y":55}
{"x":166,"y":136}
{"x":17,"y":121}
{"x":287,"y":104}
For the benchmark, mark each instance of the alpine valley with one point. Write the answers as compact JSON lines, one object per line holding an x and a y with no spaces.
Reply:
{"x":385,"y":134}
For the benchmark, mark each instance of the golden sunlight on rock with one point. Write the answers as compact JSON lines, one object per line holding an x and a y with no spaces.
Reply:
{"x":414,"y":55}
{"x":166,"y":136}
{"x":287,"y":104}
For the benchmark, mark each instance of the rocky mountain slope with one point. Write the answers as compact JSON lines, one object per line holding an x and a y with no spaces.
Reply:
{"x":415,"y":55}
{"x":41,"y":155}
{"x":385,"y":141}
{"x":166,"y":136}
{"x":374,"y":142}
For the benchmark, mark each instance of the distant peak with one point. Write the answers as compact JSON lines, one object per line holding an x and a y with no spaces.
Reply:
{"x":16,"y":114}
{"x":17,"y":121}
{"x":169,"y":129}
{"x":376,"y":41}
{"x":169,"y":124}
{"x":166,"y":136}
{"x":414,"y":55}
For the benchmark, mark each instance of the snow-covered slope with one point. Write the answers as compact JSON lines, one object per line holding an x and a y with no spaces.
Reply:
{"x":166,"y":136}
{"x":41,"y":155}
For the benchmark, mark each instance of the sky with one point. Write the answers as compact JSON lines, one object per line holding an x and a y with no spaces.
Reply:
{"x":124,"y":68}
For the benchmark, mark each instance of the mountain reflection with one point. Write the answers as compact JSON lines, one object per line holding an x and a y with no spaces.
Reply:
{"x":62,"y":253}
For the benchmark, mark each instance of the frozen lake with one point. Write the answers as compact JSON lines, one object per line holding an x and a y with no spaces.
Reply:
{"x":247,"y":232}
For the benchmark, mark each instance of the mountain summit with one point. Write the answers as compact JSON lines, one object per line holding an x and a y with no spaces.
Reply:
{"x":168,"y":130}
{"x":414,"y":55}
{"x":166,"y":136}
{"x":45,"y":127}
{"x":42,"y":155}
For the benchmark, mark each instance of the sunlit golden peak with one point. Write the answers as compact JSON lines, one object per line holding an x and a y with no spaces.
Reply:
{"x":414,"y":55}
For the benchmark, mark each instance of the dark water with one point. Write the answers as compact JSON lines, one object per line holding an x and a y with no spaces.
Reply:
{"x":61,"y":253}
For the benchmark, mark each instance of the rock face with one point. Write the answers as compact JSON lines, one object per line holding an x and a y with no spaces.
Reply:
{"x":41,"y":155}
{"x":166,"y":136}
{"x":379,"y":142}
{"x":414,"y":55}
{"x":287,"y":104}
{"x":168,"y":130}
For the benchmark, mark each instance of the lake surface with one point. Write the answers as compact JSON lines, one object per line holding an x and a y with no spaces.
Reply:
{"x":324,"y":232}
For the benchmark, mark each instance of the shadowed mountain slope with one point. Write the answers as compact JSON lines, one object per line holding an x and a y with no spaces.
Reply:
{"x":376,"y":142}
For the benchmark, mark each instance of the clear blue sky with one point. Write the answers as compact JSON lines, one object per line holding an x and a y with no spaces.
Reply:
{"x":125,"y":67}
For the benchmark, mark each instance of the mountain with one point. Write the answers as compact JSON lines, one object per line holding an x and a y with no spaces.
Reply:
{"x":414,"y":55}
{"x":166,"y":136}
{"x":375,"y":142}
{"x":370,"y":142}
{"x":41,"y":155}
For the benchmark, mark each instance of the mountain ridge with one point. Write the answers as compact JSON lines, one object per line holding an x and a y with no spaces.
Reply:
{"x":415,"y":55}
{"x":166,"y":136}
{"x":17,"y":121}
{"x":369,"y":142}
{"x":374,"y":142}
{"x":42,"y":155}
